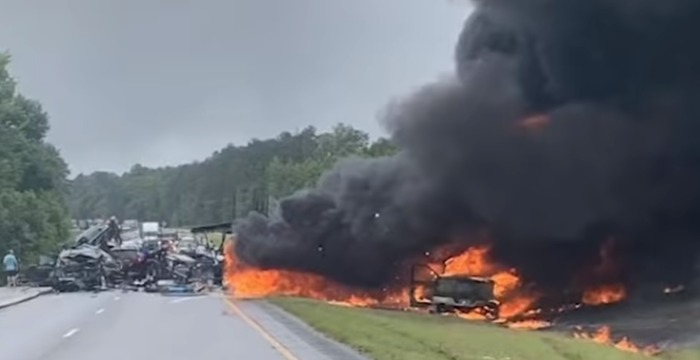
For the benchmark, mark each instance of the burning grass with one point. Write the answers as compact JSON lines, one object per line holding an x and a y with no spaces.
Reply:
{"x":251,"y":283}
{"x":405,"y":335}
{"x":518,"y":301}
{"x":518,"y":311}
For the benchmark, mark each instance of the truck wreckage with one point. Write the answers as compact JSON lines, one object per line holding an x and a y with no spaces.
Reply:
{"x":94,"y":263}
{"x":443,"y":293}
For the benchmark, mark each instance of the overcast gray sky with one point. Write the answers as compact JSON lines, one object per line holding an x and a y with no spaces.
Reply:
{"x":162,"y":82}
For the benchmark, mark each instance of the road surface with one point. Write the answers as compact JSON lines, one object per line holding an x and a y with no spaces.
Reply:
{"x":134,"y":326}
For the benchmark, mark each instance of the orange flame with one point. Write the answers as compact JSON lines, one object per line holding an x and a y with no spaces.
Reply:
{"x":604,"y":336}
{"x":606,"y":294}
{"x":603,"y":272}
{"x":252,"y":282}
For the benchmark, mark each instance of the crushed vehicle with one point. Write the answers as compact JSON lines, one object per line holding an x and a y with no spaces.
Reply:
{"x":452,"y":293}
{"x":127,"y":257}
{"x":162,"y":266}
{"x":207,"y":265}
{"x":96,"y":235}
{"x":83,"y":267}
{"x":94,"y":263}
{"x":210,"y":259}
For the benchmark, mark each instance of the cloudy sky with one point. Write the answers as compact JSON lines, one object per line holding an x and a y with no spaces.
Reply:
{"x":162,"y":82}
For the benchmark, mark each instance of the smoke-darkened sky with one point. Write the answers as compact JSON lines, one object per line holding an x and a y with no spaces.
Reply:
{"x":165,"y":82}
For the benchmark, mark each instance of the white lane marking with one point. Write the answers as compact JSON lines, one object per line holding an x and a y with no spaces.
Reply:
{"x":116,"y":298}
{"x":180,"y":300}
{"x":100,"y":311}
{"x":70,"y":333}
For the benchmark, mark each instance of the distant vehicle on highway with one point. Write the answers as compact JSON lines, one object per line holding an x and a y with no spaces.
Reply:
{"x":150,"y":230}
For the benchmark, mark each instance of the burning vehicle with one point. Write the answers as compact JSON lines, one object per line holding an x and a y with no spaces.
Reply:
{"x":453,"y":293}
{"x":563,"y":150}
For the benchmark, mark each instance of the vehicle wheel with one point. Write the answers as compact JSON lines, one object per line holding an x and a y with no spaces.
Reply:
{"x":440,"y":308}
{"x":151,"y":273}
{"x":492,"y":312}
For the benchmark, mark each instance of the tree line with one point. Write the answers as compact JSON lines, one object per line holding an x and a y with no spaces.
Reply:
{"x":34,"y":218}
{"x":229,"y":184}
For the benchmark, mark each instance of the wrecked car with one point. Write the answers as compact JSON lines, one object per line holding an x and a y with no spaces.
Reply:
{"x":210,"y":259}
{"x":207,"y":264}
{"x":452,"y":293}
{"x":152,"y":265}
{"x":83,"y":268}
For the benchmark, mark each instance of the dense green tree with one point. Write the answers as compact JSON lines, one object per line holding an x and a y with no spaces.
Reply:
{"x":33,"y":216}
{"x":228,"y":184}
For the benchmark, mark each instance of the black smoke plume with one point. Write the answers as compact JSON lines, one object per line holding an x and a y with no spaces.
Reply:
{"x":613,"y":90}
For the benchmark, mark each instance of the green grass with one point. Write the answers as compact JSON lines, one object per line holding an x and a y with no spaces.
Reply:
{"x":396,"y":335}
{"x":690,"y":354}
{"x":215,"y":238}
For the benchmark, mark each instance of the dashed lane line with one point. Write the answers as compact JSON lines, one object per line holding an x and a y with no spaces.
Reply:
{"x":70,"y":333}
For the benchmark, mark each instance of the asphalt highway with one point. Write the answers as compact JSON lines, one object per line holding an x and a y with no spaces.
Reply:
{"x":134,"y":326}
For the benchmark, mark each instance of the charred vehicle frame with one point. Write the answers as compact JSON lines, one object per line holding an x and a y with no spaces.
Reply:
{"x":210,"y":263}
{"x":452,"y":293}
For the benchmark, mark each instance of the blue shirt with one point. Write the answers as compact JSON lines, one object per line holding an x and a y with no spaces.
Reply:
{"x":10,"y":262}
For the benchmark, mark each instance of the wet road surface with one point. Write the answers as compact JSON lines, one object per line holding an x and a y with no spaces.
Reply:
{"x":135,"y":326}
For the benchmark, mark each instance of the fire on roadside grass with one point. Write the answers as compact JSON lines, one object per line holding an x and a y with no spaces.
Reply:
{"x":518,"y":305}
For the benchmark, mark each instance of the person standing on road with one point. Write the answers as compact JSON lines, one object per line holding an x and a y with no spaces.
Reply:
{"x":11,"y":268}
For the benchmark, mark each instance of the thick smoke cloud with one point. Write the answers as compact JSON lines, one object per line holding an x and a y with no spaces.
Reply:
{"x":568,"y":122}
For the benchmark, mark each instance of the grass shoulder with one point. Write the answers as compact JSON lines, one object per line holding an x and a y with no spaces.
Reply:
{"x":398,"y":335}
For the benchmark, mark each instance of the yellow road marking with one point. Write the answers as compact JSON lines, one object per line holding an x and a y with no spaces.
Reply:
{"x":260,"y":329}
